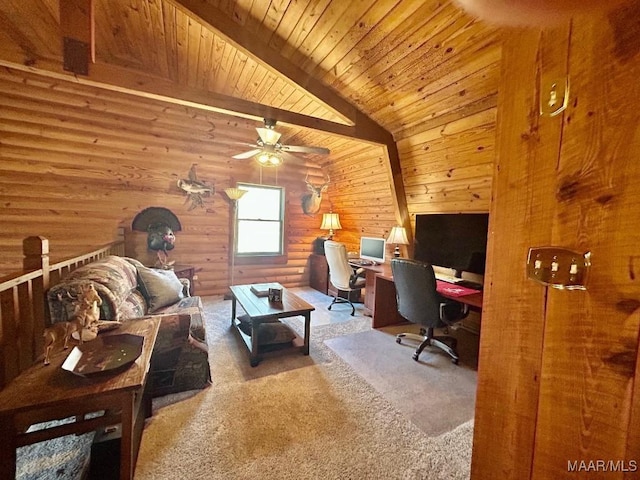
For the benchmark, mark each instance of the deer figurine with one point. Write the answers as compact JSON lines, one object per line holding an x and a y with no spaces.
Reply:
{"x":87,"y":307}
{"x":60,"y":330}
{"x":86,"y":317}
{"x":311,"y":201}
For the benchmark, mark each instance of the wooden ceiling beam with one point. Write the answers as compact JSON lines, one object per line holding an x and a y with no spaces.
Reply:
{"x":120,"y":79}
{"x":250,"y":44}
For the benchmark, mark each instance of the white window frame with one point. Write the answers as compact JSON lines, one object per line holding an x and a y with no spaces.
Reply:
{"x":281,"y":221}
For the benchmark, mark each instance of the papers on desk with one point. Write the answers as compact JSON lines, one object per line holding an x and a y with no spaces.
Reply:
{"x":454,"y":290}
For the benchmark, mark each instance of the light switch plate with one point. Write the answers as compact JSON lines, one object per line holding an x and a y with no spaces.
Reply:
{"x":558,"y":267}
{"x":554,"y":95}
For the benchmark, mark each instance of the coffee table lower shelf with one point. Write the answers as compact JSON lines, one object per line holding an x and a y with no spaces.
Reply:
{"x":268,"y":350}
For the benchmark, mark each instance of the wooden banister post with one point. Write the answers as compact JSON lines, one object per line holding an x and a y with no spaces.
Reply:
{"x":36,"y":256}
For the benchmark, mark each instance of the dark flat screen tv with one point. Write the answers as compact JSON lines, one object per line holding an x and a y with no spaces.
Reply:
{"x":453,"y":240}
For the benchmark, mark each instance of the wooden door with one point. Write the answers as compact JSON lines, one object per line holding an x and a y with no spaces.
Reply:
{"x":558,"y":370}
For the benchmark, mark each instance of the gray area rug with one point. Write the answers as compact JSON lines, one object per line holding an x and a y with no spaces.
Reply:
{"x":292,"y":417}
{"x":433,"y":393}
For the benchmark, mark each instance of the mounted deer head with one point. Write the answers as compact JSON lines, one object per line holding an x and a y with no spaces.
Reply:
{"x":311,"y":201}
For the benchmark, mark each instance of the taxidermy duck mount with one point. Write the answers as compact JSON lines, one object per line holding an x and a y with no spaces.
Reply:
{"x":195,"y":189}
{"x":160,"y":224}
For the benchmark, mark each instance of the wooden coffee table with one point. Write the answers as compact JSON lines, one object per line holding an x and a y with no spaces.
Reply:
{"x":45,"y":393}
{"x":260,"y":310}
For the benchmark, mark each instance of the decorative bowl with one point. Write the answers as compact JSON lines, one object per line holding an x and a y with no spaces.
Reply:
{"x":106,"y":353}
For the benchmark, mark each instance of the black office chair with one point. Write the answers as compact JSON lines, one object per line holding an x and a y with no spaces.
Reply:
{"x":342,"y":275}
{"x":420,"y":303}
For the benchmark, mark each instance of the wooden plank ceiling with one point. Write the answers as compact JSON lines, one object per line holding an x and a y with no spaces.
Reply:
{"x":401,"y":62}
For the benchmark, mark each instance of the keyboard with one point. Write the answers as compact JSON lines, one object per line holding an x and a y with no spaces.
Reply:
{"x":360,"y":261}
{"x":447,"y":278}
{"x":470,"y":284}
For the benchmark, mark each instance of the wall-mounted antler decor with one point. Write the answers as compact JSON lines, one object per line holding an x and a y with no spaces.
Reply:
{"x":311,"y":201}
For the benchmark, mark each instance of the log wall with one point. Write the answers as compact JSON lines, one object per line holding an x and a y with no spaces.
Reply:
{"x":77,"y":163}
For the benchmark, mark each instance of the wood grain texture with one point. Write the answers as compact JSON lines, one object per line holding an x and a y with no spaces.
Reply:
{"x":567,"y":391}
{"x":514,"y":307}
{"x":587,"y":382}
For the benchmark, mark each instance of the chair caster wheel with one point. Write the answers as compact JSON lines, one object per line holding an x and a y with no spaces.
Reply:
{"x":415,"y":356}
{"x":398,"y":340}
{"x":454,"y":361}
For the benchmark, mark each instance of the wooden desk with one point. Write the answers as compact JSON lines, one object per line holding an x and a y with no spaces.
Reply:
{"x":45,"y":393}
{"x":318,"y":273}
{"x":259,"y":310}
{"x":380,"y":296}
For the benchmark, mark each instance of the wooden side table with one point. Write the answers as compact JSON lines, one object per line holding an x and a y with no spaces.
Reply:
{"x":45,"y":393}
{"x":186,"y":271}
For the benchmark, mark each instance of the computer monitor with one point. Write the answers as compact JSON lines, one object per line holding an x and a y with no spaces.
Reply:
{"x":372,"y":249}
{"x":453,"y":240}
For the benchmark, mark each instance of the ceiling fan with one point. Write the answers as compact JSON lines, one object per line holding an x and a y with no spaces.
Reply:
{"x":269,"y":152}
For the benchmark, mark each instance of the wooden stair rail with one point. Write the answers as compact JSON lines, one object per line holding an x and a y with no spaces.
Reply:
{"x":23,"y":306}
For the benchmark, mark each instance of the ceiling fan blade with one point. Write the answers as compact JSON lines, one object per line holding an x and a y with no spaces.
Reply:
{"x":287,"y":156}
{"x":249,"y":154}
{"x":303,"y":149}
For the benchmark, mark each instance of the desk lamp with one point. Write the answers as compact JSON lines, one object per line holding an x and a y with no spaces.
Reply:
{"x":330,"y":221}
{"x":398,"y":236}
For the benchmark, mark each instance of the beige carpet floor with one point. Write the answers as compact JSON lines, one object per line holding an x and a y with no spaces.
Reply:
{"x":292,"y":417}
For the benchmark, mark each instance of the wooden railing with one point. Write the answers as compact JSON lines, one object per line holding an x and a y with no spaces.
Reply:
{"x":23,"y":306}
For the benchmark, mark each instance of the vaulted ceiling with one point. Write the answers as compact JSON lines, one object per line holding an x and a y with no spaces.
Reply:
{"x":403,"y":66}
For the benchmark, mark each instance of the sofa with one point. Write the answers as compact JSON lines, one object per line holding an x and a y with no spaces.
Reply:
{"x":130,"y":290}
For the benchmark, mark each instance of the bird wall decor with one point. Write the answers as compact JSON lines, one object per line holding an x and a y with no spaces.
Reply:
{"x":195,"y":189}
{"x":160,"y":225}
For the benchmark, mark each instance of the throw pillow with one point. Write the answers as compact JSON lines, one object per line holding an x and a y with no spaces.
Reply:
{"x":159,"y":287}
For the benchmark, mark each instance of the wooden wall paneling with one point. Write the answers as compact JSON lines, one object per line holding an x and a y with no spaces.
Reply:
{"x":514,"y":307}
{"x":100,"y":157}
{"x":324,"y":26}
{"x":591,"y":338}
{"x":353,"y":38}
{"x":397,"y":41}
{"x":340,"y":32}
{"x":403,"y":80}
{"x":38,"y":32}
{"x":360,"y":191}
{"x":205,"y":58}
{"x":483,"y":121}
{"x":304,"y":24}
{"x":399,"y":73}
{"x":472,"y":89}
{"x":290,"y":18}
{"x":449,"y":168}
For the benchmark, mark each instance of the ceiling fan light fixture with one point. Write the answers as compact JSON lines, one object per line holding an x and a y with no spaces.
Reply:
{"x":269,"y":159}
{"x":268,"y":135}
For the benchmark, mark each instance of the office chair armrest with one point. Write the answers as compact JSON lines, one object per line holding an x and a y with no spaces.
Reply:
{"x":359,"y":272}
{"x":451,"y":311}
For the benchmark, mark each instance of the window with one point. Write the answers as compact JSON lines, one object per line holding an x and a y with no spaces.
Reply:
{"x":260,"y":221}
